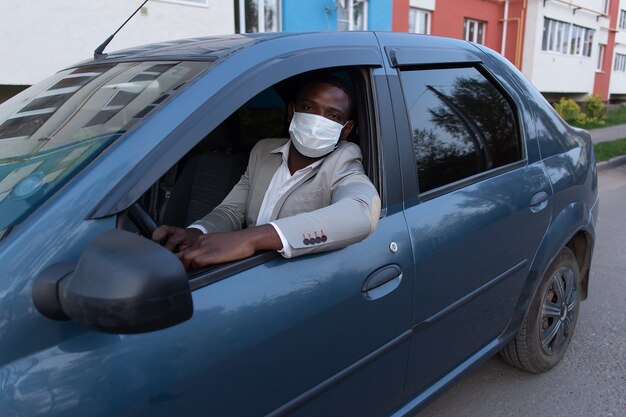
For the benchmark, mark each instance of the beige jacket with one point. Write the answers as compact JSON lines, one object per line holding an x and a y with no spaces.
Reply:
{"x":332,"y":206}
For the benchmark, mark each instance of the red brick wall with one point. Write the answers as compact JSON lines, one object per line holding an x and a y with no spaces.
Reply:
{"x":603,"y":79}
{"x":449,"y":17}
{"x":400,"y":16}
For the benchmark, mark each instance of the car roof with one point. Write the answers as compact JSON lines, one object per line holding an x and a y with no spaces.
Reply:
{"x":206,"y":48}
{"x":213,"y":48}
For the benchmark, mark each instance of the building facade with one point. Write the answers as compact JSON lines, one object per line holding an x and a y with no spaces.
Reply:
{"x":615,"y":61}
{"x":46,"y":36}
{"x":41,"y":37}
{"x":571,"y":48}
{"x":565,"y":47}
{"x":494,"y":23}
{"x":320,"y":15}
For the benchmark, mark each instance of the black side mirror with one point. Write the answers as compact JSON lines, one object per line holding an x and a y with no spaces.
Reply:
{"x":122,"y":283}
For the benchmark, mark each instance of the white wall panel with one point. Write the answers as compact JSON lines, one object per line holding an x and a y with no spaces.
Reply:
{"x":39,"y":37}
{"x":554,"y":72}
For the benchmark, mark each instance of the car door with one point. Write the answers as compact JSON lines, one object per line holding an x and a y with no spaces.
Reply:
{"x":477,"y":204}
{"x":325,"y":334}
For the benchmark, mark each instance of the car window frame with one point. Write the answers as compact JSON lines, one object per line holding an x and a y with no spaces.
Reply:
{"x":368,"y":136}
{"x":367,"y":112}
{"x":195,"y":128}
{"x":207,"y":116}
{"x":481,"y":176}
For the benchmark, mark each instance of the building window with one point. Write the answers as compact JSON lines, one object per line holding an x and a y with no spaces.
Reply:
{"x":252,"y":16}
{"x":605,"y":6}
{"x":600,"y":57}
{"x":620,"y":63}
{"x":587,"y":36}
{"x":566,"y":38}
{"x":622,"y":19}
{"x":419,"y":21}
{"x":474,"y":31}
{"x":553,"y":36}
{"x":351,"y":14}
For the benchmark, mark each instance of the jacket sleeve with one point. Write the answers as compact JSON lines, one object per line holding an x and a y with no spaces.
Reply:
{"x":351,"y":217}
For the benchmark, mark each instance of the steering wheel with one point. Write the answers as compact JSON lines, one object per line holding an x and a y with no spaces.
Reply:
{"x":144,"y":222}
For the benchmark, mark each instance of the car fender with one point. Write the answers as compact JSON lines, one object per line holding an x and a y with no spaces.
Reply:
{"x":567,"y":223}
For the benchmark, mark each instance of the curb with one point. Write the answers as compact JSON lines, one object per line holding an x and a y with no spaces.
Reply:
{"x":611,"y":163}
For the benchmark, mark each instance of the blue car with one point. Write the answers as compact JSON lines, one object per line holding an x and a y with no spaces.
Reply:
{"x":484,"y":242}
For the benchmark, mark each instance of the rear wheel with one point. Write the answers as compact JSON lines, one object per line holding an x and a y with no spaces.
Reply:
{"x":549,"y":325}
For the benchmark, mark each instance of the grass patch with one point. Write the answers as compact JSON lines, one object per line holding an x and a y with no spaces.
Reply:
{"x":607,"y":150}
{"x":616,"y":117}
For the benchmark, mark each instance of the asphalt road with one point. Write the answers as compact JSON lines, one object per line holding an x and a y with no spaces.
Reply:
{"x":590,"y":381}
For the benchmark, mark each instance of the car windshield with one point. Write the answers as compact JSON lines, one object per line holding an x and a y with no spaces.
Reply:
{"x":54,"y":128}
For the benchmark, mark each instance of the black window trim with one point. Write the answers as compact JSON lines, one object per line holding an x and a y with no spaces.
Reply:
{"x":215,"y":273}
{"x":481,"y":176}
{"x":369,"y":120}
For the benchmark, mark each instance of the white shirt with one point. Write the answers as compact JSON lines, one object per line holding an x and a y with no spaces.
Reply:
{"x":281,"y":182}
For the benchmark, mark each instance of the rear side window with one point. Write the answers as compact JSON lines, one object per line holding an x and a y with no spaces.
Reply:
{"x":461,"y":125}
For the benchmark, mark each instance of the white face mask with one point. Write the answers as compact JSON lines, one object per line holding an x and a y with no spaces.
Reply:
{"x":314,"y":136}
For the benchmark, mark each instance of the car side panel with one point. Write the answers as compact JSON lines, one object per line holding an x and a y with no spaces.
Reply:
{"x":473,"y":249}
{"x":269,"y":335}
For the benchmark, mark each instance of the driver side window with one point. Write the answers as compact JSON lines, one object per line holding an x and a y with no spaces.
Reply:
{"x":200,"y":180}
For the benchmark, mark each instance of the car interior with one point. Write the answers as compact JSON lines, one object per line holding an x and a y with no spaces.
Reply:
{"x":206,"y":174}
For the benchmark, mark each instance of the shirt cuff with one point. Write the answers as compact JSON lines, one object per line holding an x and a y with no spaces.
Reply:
{"x":286,"y":250}
{"x":197,"y":226}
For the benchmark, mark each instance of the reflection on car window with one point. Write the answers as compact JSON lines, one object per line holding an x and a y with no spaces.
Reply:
{"x":51,"y":130}
{"x":461,"y":125}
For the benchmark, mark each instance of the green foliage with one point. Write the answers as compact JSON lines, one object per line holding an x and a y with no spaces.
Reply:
{"x":570,"y":112}
{"x":595,"y":107}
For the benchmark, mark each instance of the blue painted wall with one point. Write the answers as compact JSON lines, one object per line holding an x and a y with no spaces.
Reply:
{"x":379,"y":15}
{"x":316,"y":15}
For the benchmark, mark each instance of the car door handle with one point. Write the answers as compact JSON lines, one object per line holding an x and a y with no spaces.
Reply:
{"x":382,"y":281}
{"x":539,"y":202}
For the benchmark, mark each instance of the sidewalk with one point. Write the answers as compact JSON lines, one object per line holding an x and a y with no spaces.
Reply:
{"x":606,"y":134}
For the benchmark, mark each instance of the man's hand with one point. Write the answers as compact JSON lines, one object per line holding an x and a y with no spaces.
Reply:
{"x":175,"y":238}
{"x":216,"y":248}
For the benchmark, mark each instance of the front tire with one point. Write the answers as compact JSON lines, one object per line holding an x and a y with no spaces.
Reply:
{"x":549,"y":325}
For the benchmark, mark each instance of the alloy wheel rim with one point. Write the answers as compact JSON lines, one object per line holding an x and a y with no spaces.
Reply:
{"x":558,"y":311}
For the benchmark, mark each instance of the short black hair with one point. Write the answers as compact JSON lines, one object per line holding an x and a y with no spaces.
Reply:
{"x":326,"y":78}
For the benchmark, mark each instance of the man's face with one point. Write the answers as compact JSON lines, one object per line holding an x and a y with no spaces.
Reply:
{"x":327,"y":101}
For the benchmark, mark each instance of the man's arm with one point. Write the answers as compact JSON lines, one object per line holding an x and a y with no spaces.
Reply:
{"x":351,"y":217}
{"x":216,"y":248}
{"x":228,"y":216}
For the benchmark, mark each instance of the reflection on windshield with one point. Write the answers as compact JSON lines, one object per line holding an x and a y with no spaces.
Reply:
{"x":51,"y":130}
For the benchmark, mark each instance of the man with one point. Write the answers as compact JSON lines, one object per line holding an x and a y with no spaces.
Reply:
{"x":298,"y":196}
